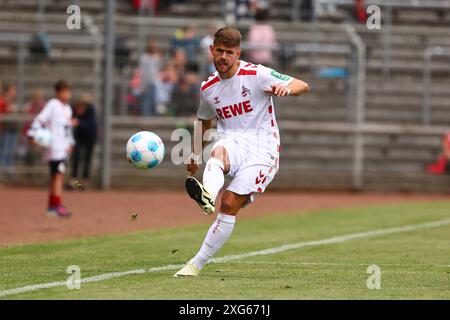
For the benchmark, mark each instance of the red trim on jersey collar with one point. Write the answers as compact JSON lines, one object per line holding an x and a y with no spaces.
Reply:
{"x":244,"y":72}
{"x":210,"y":83}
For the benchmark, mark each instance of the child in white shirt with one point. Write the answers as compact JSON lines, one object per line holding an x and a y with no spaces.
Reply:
{"x":57,"y":117}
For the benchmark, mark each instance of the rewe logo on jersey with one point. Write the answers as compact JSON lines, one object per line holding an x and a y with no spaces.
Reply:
{"x":234,"y":110}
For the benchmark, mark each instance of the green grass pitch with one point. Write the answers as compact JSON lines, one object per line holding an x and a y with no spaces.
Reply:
{"x":414,"y":264}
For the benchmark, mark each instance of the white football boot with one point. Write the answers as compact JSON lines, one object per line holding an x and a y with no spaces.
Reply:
{"x":189,"y":270}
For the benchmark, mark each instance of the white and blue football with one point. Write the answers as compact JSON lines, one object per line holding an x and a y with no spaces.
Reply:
{"x":43,"y":137}
{"x":145,"y":150}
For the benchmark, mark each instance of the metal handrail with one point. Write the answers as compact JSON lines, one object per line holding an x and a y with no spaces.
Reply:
{"x":424,"y":4}
{"x":427,"y":79}
{"x":93,"y":29}
{"x":360,"y":86}
{"x":289,"y":125}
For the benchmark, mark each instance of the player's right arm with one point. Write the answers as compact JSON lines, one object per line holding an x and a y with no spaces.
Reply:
{"x":45,"y":115}
{"x":205,"y":116}
{"x":42,"y":119}
{"x":192,"y":167}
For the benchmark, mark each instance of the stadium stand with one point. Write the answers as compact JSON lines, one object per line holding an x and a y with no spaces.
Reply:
{"x":408,"y":12}
{"x":315,"y":155}
{"x":405,"y":12}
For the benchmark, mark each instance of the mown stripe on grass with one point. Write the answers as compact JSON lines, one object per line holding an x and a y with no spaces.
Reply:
{"x":291,"y":246}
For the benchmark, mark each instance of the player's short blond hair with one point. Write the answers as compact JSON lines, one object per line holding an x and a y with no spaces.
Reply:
{"x":228,"y":36}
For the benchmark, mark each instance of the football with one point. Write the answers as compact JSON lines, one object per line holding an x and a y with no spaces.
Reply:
{"x":145,"y":150}
{"x":43,"y":137}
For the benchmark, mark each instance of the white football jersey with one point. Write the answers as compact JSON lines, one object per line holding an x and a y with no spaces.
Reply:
{"x":243,"y":110}
{"x":56,"y":116}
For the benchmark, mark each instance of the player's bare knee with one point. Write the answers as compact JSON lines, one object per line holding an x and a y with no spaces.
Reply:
{"x":228,"y":207}
{"x":229,"y":204}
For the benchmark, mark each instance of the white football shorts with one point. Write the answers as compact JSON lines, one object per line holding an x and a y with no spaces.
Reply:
{"x":251,"y":176}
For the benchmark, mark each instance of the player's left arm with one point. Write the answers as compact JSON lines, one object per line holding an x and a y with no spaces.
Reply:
{"x":280,"y":85}
{"x":296,"y":87}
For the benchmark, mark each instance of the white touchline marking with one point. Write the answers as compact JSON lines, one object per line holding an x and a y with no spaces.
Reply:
{"x":292,"y":246}
{"x":333,"y":240}
{"x":98,"y":278}
{"x":300,"y":263}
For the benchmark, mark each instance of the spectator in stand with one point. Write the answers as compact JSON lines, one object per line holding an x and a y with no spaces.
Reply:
{"x":2,"y":111}
{"x":135,"y":94}
{"x":32,"y":108}
{"x":246,"y":9}
{"x":306,"y":10}
{"x":360,"y":11}
{"x":3,"y":108}
{"x":442,"y":166}
{"x":149,"y":6}
{"x":4,"y":105}
{"x":185,"y":96}
{"x":205,"y":44}
{"x":261,"y":33}
{"x":168,"y":78}
{"x":179,"y":62}
{"x":36,"y":104}
{"x":7,"y":98}
{"x":8,"y":132}
{"x":85,"y":134}
{"x":149,"y":65}
{"x":187,"y":39}
{"x":260,"y":5}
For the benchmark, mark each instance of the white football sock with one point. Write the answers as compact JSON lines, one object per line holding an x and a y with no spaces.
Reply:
{"x":217,"y":234}
{"x":213,"y":178}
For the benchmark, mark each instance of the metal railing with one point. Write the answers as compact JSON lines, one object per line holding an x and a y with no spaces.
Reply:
{"x":23,"y":39}
{"x":428,"y":55}
{"x":359,"y":83}
{"x":124,"y":124}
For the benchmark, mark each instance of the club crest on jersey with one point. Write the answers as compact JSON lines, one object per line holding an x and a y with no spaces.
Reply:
{"x":216,"y":100}
{"x":245,"y":91}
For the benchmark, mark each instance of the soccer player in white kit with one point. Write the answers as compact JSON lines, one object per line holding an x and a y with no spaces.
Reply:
{"x":57,"y":117}
{"x":239,"y":95}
